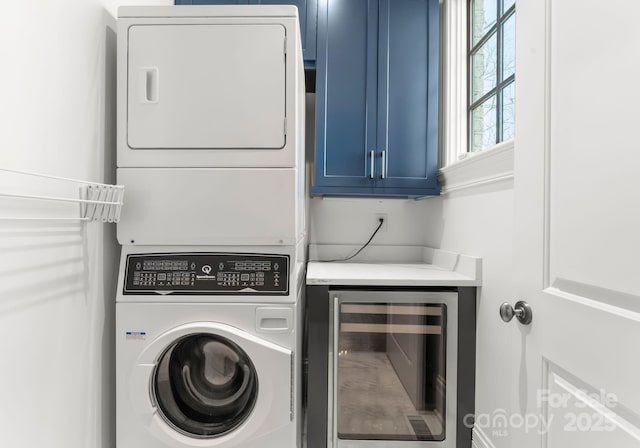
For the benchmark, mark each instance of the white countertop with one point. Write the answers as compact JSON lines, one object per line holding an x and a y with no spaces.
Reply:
{"x":438,"y":268}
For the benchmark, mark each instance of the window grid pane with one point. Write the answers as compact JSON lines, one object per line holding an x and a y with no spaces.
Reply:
{"x":508,"y":47}
{"x":484,"y":14}
{"x":506,"y":4}
{"x":484,"y":68}
{"x":491,"y":73}
{"x":508,"y":111}
{"x":483,"y":125}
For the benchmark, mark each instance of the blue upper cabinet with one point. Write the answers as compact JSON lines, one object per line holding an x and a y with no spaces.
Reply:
{"x":307,"y":12}
{"x":377,"y":98}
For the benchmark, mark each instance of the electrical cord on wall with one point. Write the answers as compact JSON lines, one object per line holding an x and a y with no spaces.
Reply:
{"x":362,"y":248}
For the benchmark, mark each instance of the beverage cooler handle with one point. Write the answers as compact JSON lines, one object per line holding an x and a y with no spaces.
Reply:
{"x":150,"y":85}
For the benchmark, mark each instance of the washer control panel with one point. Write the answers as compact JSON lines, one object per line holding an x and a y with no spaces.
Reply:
{"x":207,"y":273}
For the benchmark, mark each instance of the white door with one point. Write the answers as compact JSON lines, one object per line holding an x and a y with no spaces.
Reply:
{"x":206,"y":86}
{"x":576,"y":371}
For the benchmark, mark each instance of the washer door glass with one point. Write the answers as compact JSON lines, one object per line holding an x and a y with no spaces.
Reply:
{"x":205,"y":385}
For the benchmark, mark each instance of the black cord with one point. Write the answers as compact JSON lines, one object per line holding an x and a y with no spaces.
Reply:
{"x":362,"y":248}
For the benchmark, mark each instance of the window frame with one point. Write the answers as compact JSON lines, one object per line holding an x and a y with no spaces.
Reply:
{"x":459,"y":168}
{"x":497,"y":30}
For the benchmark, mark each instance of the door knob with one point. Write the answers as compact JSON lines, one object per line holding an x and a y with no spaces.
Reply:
{"x":522,"y":311}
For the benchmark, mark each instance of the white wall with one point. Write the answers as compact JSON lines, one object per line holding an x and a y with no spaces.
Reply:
{"x":479,"y":221}
{"x":352,"y":221}
{"x":57,"y":280}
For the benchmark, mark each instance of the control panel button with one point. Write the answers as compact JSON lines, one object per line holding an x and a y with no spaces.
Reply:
{"x":207,"y":273}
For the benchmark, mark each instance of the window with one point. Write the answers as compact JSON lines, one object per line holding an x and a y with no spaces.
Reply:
{"x":477,"y":127}
{"x":491,"y":62}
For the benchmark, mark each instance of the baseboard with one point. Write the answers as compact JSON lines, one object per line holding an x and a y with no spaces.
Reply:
{"x":480,"y":440}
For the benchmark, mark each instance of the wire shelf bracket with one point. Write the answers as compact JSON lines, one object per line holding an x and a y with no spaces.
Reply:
{"x":98,"y":202}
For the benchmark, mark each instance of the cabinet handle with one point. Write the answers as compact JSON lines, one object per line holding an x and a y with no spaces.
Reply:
{"x":384,"y":164}
{"x":372,"y":155}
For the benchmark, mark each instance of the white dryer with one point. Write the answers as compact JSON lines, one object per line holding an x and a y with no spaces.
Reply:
{"x":210,"y":86}
{"x":208,"y":350}
{"x":211,"y":104}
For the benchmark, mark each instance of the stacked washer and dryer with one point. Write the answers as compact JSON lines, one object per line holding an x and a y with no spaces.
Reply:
{"x":211,"y":153}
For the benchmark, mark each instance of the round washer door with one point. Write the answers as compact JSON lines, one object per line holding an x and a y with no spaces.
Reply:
{"x":205,"y":385}
{"x":208,"y":384}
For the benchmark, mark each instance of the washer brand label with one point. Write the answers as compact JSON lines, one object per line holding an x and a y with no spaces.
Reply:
{"x":136,"y":336}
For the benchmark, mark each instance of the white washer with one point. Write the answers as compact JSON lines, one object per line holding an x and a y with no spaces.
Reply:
{"x":208,"y":362}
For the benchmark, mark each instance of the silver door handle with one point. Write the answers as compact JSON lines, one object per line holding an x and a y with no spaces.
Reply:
{"x":384,"y":164}
{"x":372,"y":154}
{"x":522,"y":311}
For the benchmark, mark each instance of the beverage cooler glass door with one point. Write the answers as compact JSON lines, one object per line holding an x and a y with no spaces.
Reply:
{"x":393,"y":369}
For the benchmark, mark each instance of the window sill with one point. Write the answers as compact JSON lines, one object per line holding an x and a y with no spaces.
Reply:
{"x":477,"y":169}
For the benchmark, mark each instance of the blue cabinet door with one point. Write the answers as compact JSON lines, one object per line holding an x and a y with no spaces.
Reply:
{"x":377,"y":98}
{"x":408,"y":95}
{"x":346,"y":84}
{"x":308,"y":14}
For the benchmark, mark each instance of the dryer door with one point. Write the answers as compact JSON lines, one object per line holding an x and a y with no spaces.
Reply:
{"x":206,"y":86}
{"x":205,"y":385}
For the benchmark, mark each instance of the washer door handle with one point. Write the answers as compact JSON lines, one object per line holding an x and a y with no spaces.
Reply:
{"x":140,"y":388}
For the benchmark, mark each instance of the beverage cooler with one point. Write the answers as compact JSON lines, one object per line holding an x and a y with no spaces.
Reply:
{"x":390,"y":355}
{"x":389,"y":362}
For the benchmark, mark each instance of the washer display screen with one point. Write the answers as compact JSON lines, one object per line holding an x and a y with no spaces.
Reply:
{"x":207,"y":273}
